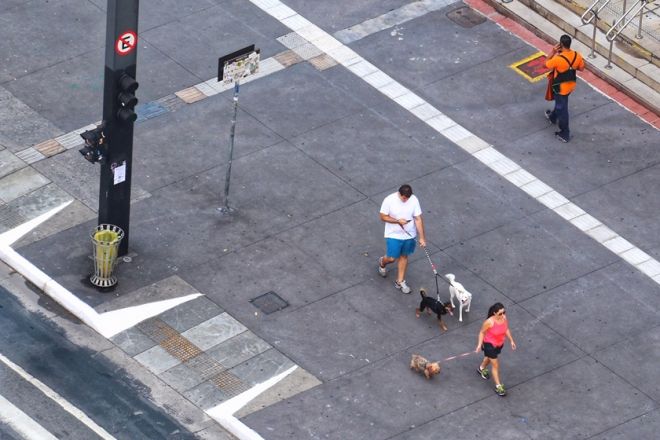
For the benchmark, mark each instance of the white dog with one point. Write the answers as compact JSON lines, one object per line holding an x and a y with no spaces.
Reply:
{"x":457,"y":290}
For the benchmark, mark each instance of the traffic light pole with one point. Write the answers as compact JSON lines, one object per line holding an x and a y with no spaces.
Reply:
{"x":118,"y":115}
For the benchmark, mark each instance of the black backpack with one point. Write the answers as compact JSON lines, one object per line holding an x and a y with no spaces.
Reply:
{"x":569,"y":75}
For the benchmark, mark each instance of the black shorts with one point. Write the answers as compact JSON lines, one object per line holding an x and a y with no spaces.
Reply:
{"x":490,"y":351}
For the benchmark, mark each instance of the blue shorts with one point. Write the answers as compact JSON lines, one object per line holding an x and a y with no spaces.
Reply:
{"x":396,"y":247}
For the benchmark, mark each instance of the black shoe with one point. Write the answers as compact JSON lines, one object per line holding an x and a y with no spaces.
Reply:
{"x":548,"y":116}
{"x":559,"y":136}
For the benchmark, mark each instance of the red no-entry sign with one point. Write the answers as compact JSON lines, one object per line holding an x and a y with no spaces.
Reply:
{"x":126,"y":43}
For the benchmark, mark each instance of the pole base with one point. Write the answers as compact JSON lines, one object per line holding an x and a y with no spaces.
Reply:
{"x":103,"y":282}
{"x":226,"y":210}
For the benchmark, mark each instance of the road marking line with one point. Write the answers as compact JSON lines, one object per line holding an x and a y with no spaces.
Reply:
{"x":107,"y":324}
{"x":390,"y":19}
{"x":21,"y":423}
{"x":68,"y":407}
{"x":471,"y":143}
{"x":224,"y":413}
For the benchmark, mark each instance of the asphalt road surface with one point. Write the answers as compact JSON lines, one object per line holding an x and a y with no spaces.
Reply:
{"x":49,"y":386}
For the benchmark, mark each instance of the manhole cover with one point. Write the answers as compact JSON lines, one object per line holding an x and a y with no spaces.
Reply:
{"x":465,"y":17}
{"x":269,"y":302}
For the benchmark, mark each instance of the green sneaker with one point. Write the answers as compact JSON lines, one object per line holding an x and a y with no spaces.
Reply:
{"x":485,"y":374}
{"x":499,"y":389}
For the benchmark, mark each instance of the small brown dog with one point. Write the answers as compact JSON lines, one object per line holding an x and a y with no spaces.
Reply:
{"x":422,"y":365}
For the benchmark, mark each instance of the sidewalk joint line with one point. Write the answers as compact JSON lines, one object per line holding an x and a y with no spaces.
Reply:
{"x":454,"y":133}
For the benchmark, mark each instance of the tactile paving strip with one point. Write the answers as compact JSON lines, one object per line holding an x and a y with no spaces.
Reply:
{"x":229,"y":384}
{"x":171,"y":102}
{"x":30,"y":155}
{"x":322,"y":62}
{"x":291,"y":40}
{"x":157,"y":330}
{"x":49,"y":148}
{"x":307,"y":51}
{"x":206,"y":366}
{"x":10,"y":218}
{"x":190,"y":95}
{"x":288,"y":58}
{"x":180,"y":348}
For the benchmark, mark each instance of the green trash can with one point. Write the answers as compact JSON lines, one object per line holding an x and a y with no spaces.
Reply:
{"x":105,"y":242}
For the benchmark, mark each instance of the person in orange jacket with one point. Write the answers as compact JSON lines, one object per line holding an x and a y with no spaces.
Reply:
{"x":564,"y":63}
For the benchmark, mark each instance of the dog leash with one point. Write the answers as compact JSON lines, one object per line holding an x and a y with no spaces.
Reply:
{"x":451,"y":358}
{"x":428,"y":257}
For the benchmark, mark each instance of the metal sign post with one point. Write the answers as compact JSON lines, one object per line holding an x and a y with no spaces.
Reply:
{"x":233,"y":68}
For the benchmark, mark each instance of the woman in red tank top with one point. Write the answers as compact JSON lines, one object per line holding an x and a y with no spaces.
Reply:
{"x":491,"y":340}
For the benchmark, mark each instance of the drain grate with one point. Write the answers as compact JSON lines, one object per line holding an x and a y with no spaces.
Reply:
{"x":465,"y":17}
{"x":269,"y":302}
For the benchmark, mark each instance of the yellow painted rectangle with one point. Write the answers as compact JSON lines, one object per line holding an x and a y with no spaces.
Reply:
{"x":532,"y":68}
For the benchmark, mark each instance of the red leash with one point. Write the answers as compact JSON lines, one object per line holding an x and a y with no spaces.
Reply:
{"x":450,"y":358}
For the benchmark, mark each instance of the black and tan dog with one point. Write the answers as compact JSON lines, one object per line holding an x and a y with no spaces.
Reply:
{"x":432,"y":304}
{"x":422,"y":365}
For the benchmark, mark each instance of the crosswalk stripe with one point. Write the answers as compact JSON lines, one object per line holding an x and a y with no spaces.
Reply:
{"x":68,"y":407}
{"x":21,"y":423}
{"x":477,"y":147}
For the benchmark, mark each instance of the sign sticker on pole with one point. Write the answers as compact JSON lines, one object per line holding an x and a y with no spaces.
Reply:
{"x":126,"y":43}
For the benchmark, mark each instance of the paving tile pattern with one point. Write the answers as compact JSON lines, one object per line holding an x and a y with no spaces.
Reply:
{"x":206,"y":366}
{"x":234,"y":362}
{"x":325,"y":135}
{"x":180,"y":348}
{"x":229,"y":383}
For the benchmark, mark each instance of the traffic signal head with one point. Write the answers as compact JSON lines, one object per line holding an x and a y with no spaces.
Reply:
{"x":126,"y":99}
{"x":94,"y":140}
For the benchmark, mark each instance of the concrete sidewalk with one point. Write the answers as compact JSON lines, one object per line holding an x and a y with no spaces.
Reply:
{"x":632,"y":68}
{"x":320,"y":142}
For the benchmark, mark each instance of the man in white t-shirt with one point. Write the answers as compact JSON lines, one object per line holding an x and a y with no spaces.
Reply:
{"x":403,"y":222}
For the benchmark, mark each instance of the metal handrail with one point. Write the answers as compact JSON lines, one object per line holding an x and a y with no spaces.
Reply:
{"x":626,"y":18}
{"x":592,"y":12}
{"x":591,"y":16}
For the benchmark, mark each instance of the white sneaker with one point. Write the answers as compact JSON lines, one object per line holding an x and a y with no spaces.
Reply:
{"x":403,"y":286}
{"x":382,"y":271}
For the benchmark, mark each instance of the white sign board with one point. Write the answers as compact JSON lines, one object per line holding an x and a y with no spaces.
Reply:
{"x":238,"y":65}
{"x":119,"y":173}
